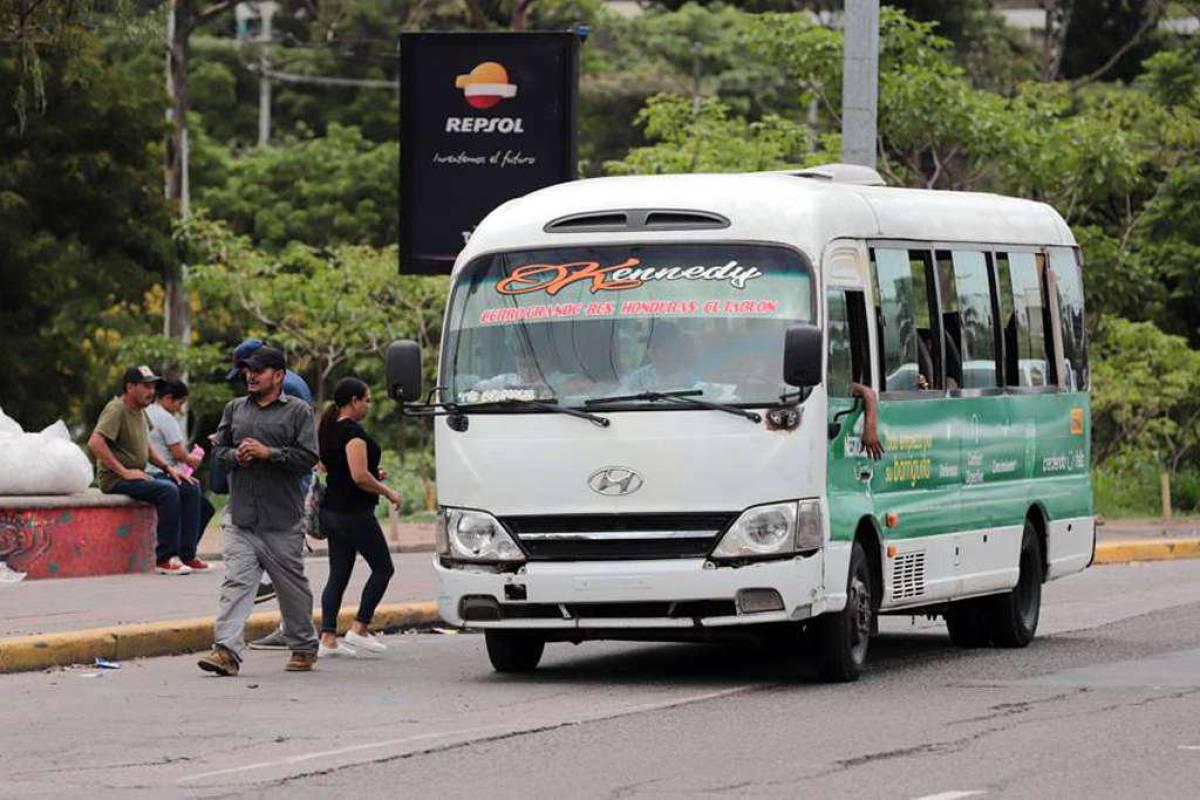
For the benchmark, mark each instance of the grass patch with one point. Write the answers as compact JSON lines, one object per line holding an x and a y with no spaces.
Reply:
{"x":1136,"y":492}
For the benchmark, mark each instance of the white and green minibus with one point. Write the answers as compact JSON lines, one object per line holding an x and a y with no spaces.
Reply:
{"x":645,"y":427}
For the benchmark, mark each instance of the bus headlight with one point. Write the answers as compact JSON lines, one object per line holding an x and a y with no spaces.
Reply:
{"x":773,"y":530}
{"x":474,"y":536}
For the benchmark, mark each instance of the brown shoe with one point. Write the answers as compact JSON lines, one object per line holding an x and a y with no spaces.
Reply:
{"x":221,"y":661}
{"x":301,"y":662}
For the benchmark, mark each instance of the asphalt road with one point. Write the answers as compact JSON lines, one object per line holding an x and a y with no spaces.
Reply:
{"x":1105,"y":703}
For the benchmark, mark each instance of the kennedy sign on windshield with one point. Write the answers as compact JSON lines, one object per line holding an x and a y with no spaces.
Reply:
{"x":484,"y":118}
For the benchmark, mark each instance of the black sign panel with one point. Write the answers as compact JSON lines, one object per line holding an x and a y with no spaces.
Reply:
{"x":484,"y":118}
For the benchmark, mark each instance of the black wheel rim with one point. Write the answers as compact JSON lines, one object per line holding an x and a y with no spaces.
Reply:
{"x":859,"y":602}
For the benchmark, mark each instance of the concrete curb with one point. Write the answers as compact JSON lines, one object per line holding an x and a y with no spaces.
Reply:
{"x":1120,"y":552}
{"x":119,"y":642}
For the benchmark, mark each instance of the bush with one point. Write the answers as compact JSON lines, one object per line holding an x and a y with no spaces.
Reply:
{"x":1185,"y":491}
{"x":1131,"y":492}
{"x":1136,"y":491}
{"x":404,"y":480}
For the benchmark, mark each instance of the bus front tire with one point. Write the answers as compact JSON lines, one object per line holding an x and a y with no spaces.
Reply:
{"x":842,"y":636}
{"x":514,"y":651}
{"x":1014,"y":614}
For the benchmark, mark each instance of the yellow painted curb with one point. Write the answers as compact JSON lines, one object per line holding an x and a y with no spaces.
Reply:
{"x":39,"y":651}
{"x":1147,"y":550}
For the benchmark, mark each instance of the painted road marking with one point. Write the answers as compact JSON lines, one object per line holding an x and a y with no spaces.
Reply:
{"x":953,"y":795}
{"x":482,"y":732}
{"x":1189,"y":747}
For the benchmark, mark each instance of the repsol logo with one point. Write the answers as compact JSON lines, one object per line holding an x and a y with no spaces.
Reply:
{"x":484,"y":125}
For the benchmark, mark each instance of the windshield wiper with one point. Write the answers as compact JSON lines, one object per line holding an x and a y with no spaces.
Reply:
{"x":685,"y":397}
{"x":542,"y":405}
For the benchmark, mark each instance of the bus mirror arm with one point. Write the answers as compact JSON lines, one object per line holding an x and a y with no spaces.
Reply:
{"x":835,"y":427}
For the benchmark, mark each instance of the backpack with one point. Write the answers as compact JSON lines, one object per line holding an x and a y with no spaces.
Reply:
{"x":310,"y":519}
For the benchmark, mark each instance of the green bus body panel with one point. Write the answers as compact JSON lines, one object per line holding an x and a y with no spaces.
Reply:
{"x":962,"y":463}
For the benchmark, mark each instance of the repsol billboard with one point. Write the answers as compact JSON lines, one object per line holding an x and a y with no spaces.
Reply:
{"x":484,"y":118}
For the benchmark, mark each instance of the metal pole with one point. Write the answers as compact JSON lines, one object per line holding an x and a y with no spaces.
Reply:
{"x":265,"y":12}
{"x":860,"y":81}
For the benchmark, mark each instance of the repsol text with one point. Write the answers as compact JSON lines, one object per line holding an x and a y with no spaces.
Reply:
{"x":484,"y":125}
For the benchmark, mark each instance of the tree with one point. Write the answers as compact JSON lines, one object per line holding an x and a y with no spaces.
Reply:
{"x":83,"y":222}
{"x":328,"y":307}
{"x":1145,"y":396}
{"x":336,"y":189}
{"x":709,"y":139}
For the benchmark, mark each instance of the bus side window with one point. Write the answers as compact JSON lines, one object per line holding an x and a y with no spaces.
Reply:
{"x":952,"y":321}
{"x":848,"y":348}
{"x":1065,"y":265}
{"x":909,"y":354}
{"x":977,"y":339}
{"x":1023,"y":314}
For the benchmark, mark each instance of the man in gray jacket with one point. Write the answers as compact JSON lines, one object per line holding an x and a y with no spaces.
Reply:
{"x":265,"y":441}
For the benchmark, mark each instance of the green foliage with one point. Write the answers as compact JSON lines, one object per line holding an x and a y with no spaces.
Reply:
{"x":708,"y":139}
{"x":83,"y":223}
{"x":1145,"y":396}
{"x":336,"y":189}
{"x":329,"y":308}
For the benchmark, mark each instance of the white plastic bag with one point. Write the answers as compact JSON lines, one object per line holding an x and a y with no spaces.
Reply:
{"x":41,"y":463}
{"x":8,"y":424}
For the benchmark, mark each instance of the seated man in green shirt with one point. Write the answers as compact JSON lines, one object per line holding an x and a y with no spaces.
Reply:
{"x":121,"y":444}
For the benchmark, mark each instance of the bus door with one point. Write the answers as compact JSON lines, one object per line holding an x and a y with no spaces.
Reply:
{"x":916,"y":485}
{"x":849,"y":360}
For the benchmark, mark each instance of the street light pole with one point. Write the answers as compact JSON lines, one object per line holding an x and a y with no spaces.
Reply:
{"x":266,"y":10}
{"x":177,"y":317}
{"x":860,"y":81}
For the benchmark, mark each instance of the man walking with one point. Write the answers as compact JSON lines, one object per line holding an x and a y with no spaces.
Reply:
{"x":121,"y":444}
{"x":265,"y":441}
{"x":293,"y":386}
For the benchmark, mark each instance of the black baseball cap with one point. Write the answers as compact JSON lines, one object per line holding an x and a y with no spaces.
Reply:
{"x":140,"y":374}
{"x":265,"y":357}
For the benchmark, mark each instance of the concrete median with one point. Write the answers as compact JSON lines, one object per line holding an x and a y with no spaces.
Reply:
{"x":40,"y":651}
{"x":1121,"y":551}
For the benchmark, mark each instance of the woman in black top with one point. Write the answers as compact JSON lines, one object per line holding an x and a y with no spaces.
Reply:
{"x":351,"y":460}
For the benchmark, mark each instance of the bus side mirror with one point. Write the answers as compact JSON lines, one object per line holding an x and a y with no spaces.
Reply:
{"x":404,"y":371}
{"x":802,"y":350}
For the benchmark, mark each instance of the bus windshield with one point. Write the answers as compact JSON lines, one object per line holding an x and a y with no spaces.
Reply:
{"x":569,"y":324}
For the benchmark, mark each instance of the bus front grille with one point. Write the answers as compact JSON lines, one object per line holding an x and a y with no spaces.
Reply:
{"x":603,"y":537}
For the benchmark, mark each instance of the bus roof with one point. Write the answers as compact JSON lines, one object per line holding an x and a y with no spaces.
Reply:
{"x":804,"y":212}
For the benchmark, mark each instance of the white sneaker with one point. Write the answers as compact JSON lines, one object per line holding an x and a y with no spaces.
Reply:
{"x":368,"y":642}
{"x":340,"y":651}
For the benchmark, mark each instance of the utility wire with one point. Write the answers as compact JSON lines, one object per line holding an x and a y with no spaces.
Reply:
{"x":323,"y":80}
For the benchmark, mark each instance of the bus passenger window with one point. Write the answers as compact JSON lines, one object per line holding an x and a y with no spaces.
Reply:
{"x":1023,"y":314}
{"x":838,"y":384}
{"x":1070,"y":316}
{"x":951,"y":320}
{"x":848,"y":348}
{"x":977,"y":339}
{"x":909,"y":354}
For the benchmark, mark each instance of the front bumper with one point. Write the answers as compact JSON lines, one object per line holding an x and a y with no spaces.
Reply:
{"x":659,"y":595}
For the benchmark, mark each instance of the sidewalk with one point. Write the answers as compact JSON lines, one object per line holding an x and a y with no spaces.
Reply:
{"x":402,"y":537}
{"x":65,"y":621}
{"x":57,"y":606}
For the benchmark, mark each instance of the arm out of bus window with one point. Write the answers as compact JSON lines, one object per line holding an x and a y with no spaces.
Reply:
{"x":870,"y":435}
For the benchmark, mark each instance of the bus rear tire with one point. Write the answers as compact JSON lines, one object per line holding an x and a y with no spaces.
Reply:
{"x":842,"y":636}
{"x":968,"y":623}
{"x":1014,"y":614}
{"x":514,"y":651}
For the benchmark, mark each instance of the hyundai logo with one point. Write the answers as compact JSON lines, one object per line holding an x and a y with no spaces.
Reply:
{"x":613,"y":481}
